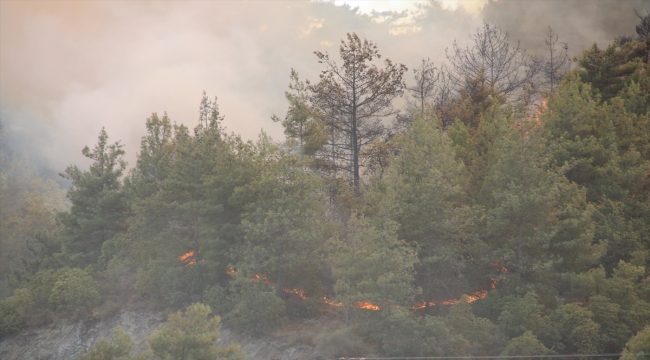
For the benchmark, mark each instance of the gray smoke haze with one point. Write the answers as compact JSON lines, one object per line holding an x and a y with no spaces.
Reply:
{"x":67,"y":68}
{"x":578,"y":23}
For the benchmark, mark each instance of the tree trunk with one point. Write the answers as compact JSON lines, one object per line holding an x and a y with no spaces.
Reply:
{"x":196,"y":240}
{"x":196,"y":258}
{"x":519,"y":251}
{"x":355,"y":149}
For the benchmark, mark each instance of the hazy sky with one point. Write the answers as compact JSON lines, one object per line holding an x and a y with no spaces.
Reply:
{"x":67,"y":68}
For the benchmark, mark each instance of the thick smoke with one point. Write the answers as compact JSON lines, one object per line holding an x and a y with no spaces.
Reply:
{"x":69,"y":68}
{"x":578,"y":23}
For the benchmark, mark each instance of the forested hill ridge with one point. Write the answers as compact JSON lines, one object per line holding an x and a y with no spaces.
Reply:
{"x":504,"y":210}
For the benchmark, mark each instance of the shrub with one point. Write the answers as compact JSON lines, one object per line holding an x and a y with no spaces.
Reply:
{"x":74,"y":291}
{"x":526,"y":344}
{"x":11,"y":311}
{"x":118,"y":345}
{"x":639,"y":344}
{"x":340,"y":343}
{"x":41,"y":286}
{"x":257,"y":309}
{"x":192,"y":335}
{"x":219,"y":299}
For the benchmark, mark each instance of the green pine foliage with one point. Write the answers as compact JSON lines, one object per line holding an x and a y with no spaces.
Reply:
{"x":484,"y":227}
{"x":74,"y":291}
{"x":99,"y":208}
{"x":192,"y":335}
{"x":118,"y":346}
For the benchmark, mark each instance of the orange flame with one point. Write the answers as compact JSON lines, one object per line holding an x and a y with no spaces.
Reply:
{"x":297,"y":292}
{"x":422,"y":304}
{"x":188,"y":258}
{"x":256,"y":278}
{"x":359,"y":304}
{"x":366,"y":305}
{"x":477,"y":295}
{"x":493,"y":284}
{"x":541,"y":107}
{"x":499,"y":269}
{"x":534,"y":117}
{"x":331,"y":302}
{"x":450,"y":302}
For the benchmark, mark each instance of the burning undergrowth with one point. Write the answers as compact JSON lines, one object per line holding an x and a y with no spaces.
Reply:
{"x":300,"y":294}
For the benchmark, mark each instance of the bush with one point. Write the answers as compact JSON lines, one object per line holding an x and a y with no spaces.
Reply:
{"x":117,"y":280}
{"x":41,"y":286}
{"x":192,"y":334}
{"x":340,"y":343}
{"x":219,"y":299}
{"x":176,"y":285}
{"x":638,"y":344}
{"x":144,"y":282}
{"x":11,"y":311}
{"x":118,"y":345}
{"x":305,"y":309}
{"x":257,"y":309}
{"x":74,"y":291}
{"x":403,"y":333}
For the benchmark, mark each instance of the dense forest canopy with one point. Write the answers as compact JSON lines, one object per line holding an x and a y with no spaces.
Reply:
{"x":504,"y":209}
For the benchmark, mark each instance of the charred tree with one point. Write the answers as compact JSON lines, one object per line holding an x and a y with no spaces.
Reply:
{"x":507,"y":69}
{"x":356,"y":95}
{"x":557,"y":63}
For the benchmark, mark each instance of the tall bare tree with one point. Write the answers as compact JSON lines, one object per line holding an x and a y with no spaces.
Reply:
{"x":557,"y":63}
{"x":506,"y":69}
{"x":355,"y":96}
{"x":426,"y":78}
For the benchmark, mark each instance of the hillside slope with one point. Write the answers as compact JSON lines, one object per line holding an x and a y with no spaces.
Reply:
{"x":68,"y":340}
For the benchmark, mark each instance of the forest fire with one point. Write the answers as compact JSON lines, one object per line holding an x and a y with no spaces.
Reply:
{"x":538,"y":111}
{"x":422,"y":304}
{"x":476,"y":295}
{"x":532,"y":117}
{"x":188,"y":258}
{"x":331,"y":302}
{"x":366,"y":305}
{"x":359,"y":304}
{"x":298,"y":292}
{"x":254,"y":278}
{"x":264,"y":279}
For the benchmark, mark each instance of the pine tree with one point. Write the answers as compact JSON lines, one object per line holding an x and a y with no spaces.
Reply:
{"x":372,"y":268}
{"x":282,"y":226}
{"x":557,"y":64}
{"x":303,"y":122}
{"x":507,"y":70}
{"x":192,"y":335}
{"x":609,"y":69}
{"x":182,"y":192}
{"x":99,"y":208}
{"x":539,"y":225}
{"x":606,"y":150}
{"x":355,"y":97}
{"x":425,"y":192}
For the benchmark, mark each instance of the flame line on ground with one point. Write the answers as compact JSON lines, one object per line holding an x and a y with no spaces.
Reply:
{"x":363,"y":304}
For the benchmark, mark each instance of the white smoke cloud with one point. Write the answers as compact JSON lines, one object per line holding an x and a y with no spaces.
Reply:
{"x":67,"y":68}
